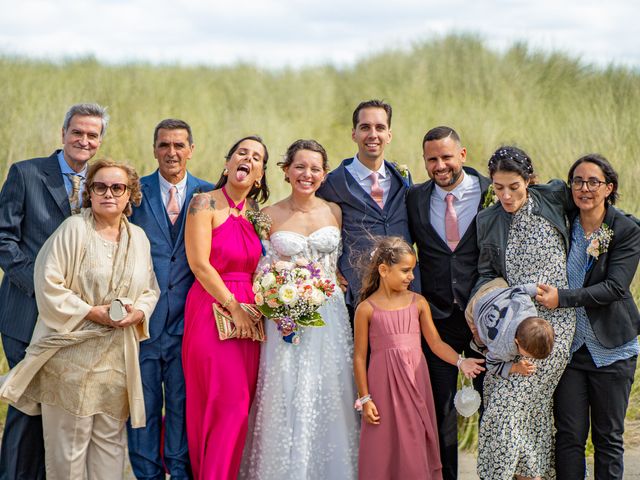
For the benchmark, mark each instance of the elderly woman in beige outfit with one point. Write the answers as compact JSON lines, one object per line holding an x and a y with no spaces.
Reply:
{"x":81,"y":370}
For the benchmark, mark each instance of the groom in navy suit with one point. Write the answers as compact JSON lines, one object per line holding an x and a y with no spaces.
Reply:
{"x":165,"y":198}
{"x":38,"y":195}
{"x":371,"y":193}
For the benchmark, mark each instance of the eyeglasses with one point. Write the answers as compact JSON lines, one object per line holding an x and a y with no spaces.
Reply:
{"x":117,"y":189}
{"x":592,"y":184}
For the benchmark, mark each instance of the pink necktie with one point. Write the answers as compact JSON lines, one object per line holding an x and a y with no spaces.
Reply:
{"x":173,"y":209}
{"x":451,"y":223}
{"x":376,"y":190}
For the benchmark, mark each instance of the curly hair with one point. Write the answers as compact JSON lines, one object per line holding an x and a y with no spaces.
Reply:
{"x":135,"y":194}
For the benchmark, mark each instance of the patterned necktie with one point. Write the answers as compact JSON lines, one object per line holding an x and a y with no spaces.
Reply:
{"x":173,"y":209}
{"x":376,"y":190}
{"x":451,"y":223}
{"x":74,"y":201}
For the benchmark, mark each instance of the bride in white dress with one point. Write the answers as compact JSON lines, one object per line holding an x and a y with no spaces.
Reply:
{"x":303,"y":422}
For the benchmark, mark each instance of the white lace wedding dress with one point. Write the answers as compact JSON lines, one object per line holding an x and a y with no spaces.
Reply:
{"x":303,"y":425}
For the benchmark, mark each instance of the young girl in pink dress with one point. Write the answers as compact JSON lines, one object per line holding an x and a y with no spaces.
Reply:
{"x":399,"y":437}
{"x":223,"y":250}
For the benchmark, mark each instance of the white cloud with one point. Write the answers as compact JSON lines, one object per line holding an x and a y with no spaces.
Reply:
{"x":296,"y":32}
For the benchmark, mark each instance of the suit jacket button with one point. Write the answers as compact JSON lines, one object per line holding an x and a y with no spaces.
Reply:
{"x":454,"y":281}
{"x":170,"y":287}
{"x":173,"y":259}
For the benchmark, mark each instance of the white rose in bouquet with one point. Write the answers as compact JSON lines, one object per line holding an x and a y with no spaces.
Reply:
{"x":317,"y":297}
{"x":268,"y":280}
{"x":288,"y":294}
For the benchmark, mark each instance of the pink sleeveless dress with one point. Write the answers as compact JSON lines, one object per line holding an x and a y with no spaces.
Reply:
{"x":405,"y":444}
{"x":220,"y":376}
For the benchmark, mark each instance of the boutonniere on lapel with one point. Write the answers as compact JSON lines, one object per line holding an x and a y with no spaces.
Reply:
{"x":403,"y":170}
{"x":599,"y":242}
{"x":489,"y":197}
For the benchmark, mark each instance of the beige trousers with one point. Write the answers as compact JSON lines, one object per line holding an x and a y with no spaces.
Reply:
{"x":76,"y":448}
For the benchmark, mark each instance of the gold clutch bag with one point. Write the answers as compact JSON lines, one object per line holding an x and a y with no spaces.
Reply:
{"x":226,"y":327}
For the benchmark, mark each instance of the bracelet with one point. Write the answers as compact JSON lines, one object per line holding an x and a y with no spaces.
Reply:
{"x":361,"y":401}
{"x":228,"y":301}
{"x":459,"y":362}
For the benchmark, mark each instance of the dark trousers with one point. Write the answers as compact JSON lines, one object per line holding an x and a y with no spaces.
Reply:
{"x":597,"y":396}
{"x":444,"y":383}
{"x":161,"y":366}
{"x":22,"y":453}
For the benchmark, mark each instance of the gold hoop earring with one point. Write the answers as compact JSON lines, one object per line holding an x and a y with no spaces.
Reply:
{"x":225,"y":172}
{"x":257,"y":183}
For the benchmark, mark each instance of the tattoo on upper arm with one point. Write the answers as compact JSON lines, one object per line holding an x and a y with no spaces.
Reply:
{"x":201,"y":201}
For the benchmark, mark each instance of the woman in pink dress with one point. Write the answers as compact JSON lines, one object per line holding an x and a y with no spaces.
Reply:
{"x":223,"y":250}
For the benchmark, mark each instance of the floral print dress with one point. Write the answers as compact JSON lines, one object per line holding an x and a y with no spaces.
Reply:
{"x":516,"y":432}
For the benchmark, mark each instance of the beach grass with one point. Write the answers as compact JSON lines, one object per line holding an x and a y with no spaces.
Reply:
{"x":555,"y":107}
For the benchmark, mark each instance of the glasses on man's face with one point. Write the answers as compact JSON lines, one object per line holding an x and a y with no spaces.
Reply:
{"x":100,"y":189}
{"x":592,"y":184}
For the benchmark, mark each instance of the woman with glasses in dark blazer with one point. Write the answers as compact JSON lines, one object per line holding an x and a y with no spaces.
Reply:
{"x":594,"y":389}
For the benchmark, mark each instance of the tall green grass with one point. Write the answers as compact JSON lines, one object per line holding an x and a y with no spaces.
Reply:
{"x":555,"y":107}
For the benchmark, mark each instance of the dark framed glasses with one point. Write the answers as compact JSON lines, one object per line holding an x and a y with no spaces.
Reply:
{"x":592,"y":184}
{"x":100,"y":189}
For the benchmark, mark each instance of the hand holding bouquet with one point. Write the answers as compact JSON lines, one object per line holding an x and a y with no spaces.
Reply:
{"x":290,"y":294}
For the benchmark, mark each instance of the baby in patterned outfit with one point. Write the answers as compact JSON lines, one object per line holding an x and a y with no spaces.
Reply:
{"x":505,"y":325}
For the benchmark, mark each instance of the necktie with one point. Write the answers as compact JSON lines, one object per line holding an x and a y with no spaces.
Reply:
{"x":451,"y":223}
{"x":74,"y":201}
{"x":173,"y":209}
{"x":376,"y":190}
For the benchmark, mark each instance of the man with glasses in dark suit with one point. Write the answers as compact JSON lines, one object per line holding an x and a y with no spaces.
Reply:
{"x":36,"y":197}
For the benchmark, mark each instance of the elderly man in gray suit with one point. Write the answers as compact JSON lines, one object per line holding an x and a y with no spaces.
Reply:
{"x":371,"y":193}
{"x":36,"y":197}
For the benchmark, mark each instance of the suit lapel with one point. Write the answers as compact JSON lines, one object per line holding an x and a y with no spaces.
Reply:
{"x":395,"y":187}
{"x":54,"y":183}
{"x":192,"y":186}
{"x":608,"y":219}
{"x":353,"y":187}
{"x":424,"y":211}
{"x":151,"y":194}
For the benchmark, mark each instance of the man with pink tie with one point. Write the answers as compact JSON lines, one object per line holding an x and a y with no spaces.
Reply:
{"x":442,"y":221}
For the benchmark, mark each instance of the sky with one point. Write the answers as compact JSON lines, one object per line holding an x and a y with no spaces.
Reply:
{"x":296,"y":33}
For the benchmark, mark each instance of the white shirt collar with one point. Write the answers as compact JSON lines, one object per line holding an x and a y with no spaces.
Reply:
{"x":165,"y":185}
{"x":362,"y":171}
{"x":463,"y":187}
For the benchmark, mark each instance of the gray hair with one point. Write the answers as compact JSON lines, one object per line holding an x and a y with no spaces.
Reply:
{"x":87,"y":110}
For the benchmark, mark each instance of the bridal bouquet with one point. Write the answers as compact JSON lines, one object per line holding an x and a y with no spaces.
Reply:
{"x":290,"y":294}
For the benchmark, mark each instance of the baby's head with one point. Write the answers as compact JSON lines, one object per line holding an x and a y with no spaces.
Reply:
{"x":392,"y":259}
{"x":534,"y":337}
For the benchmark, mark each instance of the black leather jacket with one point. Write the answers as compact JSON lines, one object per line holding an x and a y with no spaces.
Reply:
{"x":551,"y":200}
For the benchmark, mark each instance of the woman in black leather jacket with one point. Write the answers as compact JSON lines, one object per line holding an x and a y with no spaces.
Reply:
{"x":603,"y":259}
{"x":523,"y":238}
